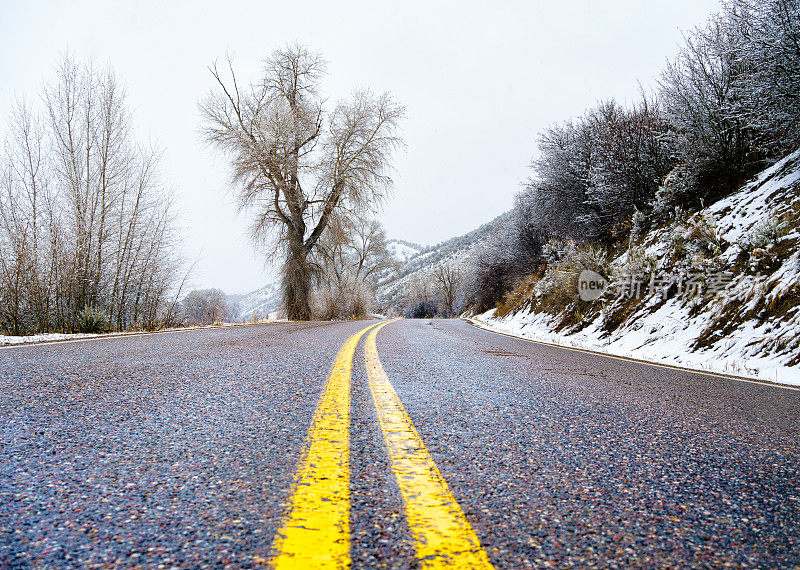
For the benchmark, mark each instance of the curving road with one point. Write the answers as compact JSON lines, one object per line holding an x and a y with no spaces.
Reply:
{"x":190,"y":449}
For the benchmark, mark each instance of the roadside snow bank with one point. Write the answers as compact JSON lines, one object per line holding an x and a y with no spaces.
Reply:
{"x":661,"y":338}
{"x":37,"y":338}
{"x":61,"y":337}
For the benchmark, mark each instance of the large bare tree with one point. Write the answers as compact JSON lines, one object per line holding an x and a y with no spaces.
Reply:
{"x":297,"y":165}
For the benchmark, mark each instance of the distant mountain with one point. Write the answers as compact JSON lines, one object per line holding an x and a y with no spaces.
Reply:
{"x":421,"y":265}
{"x":259,"y":304}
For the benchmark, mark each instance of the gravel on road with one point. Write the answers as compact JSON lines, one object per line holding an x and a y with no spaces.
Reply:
{"x":180,"y":450}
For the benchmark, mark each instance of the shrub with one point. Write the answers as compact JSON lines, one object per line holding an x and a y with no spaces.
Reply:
{"x":93,"y":319}
{"x":519,"y":297}
{"x":556,"y":291}
{"x":703,"y":235}
{"x":341,"y":301}
{"x":764,"y":234}
{"x":637,"y":263}
{"x":758,"y":245}
{"x":421,"y":310}
{"x":673,"y":194}
{"x":640,"y":223}
{"x":677,"y":247}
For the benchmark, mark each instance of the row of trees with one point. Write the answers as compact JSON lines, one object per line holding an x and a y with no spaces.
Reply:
{"x":727,"y":106}
{"x":87,"y":227}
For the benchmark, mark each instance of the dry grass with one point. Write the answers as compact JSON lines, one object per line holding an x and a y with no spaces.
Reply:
{"x":332,"y":303}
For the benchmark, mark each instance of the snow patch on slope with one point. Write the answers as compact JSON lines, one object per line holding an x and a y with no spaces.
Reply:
{"x":402,"y":251}
{"x":262,"y":303}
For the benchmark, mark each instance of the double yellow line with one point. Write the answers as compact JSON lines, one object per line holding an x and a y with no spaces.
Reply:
{"x":315,"y":532}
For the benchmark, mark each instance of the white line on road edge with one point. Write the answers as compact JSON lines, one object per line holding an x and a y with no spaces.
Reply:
{"x":484,"y":327}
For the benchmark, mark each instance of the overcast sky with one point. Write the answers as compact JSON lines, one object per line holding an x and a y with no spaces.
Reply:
{"x":479,"y":81}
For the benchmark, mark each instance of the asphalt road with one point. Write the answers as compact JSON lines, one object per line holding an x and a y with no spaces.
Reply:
{"x":182,"y":449}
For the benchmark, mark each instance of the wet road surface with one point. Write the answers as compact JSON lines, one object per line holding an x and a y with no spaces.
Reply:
{"x":188,"y":449}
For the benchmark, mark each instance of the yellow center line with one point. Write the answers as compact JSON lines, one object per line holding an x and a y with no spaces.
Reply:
{"x":443,"y":538}
{"x":315,"y":532}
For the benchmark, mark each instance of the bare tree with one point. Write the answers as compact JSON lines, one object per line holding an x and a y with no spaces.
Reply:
{"x":369,"y":250}
{"x":296,"y":166}
{"x":351,"y":259}
{"x":24,"y":223}
{"x":15,"y":260}
{"x":449,"y":279}
{"x":206,"y":307}
{"x":85,"y":222}
{"x":419,"y":297}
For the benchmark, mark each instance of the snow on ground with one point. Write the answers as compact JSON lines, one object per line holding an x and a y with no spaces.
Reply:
{"x":34,"y":338}
{"x":662,"y":337}
{"x":739,"y":213}
{"x":61,"y":337}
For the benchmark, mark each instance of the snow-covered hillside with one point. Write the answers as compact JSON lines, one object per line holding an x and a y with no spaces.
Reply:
{"x":259,"y":304}
{"x":720,"y":290}
{"x":458,"y":251}
{"x":402,"y":251}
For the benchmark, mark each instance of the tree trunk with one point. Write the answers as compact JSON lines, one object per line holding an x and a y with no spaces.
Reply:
{"x":297,"y":285}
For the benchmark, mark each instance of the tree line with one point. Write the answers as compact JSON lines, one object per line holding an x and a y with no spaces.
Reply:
{"x":726,"y":107}
{"x":88,"y":233}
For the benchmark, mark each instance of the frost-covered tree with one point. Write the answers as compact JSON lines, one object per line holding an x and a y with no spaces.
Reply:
{"x":633,"y":152}
{"x":594,"y":172}
{"x":507,"y":255}
{"x":557,"y":191}
{"x":768,"y":47}
{"x":206,"y":307}
{"x":702,"y":89}
{"x":86,"y":223}
{"x":296,"y":164}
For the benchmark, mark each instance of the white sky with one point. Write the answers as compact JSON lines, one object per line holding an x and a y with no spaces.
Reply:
{"x":479,"y":81}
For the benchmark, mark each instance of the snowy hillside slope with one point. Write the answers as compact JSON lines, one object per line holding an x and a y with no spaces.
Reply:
{"x":720,"y":290}
{"x":259,"y":304}
{"x":402,"y":251}
{"x":458,"y":251}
